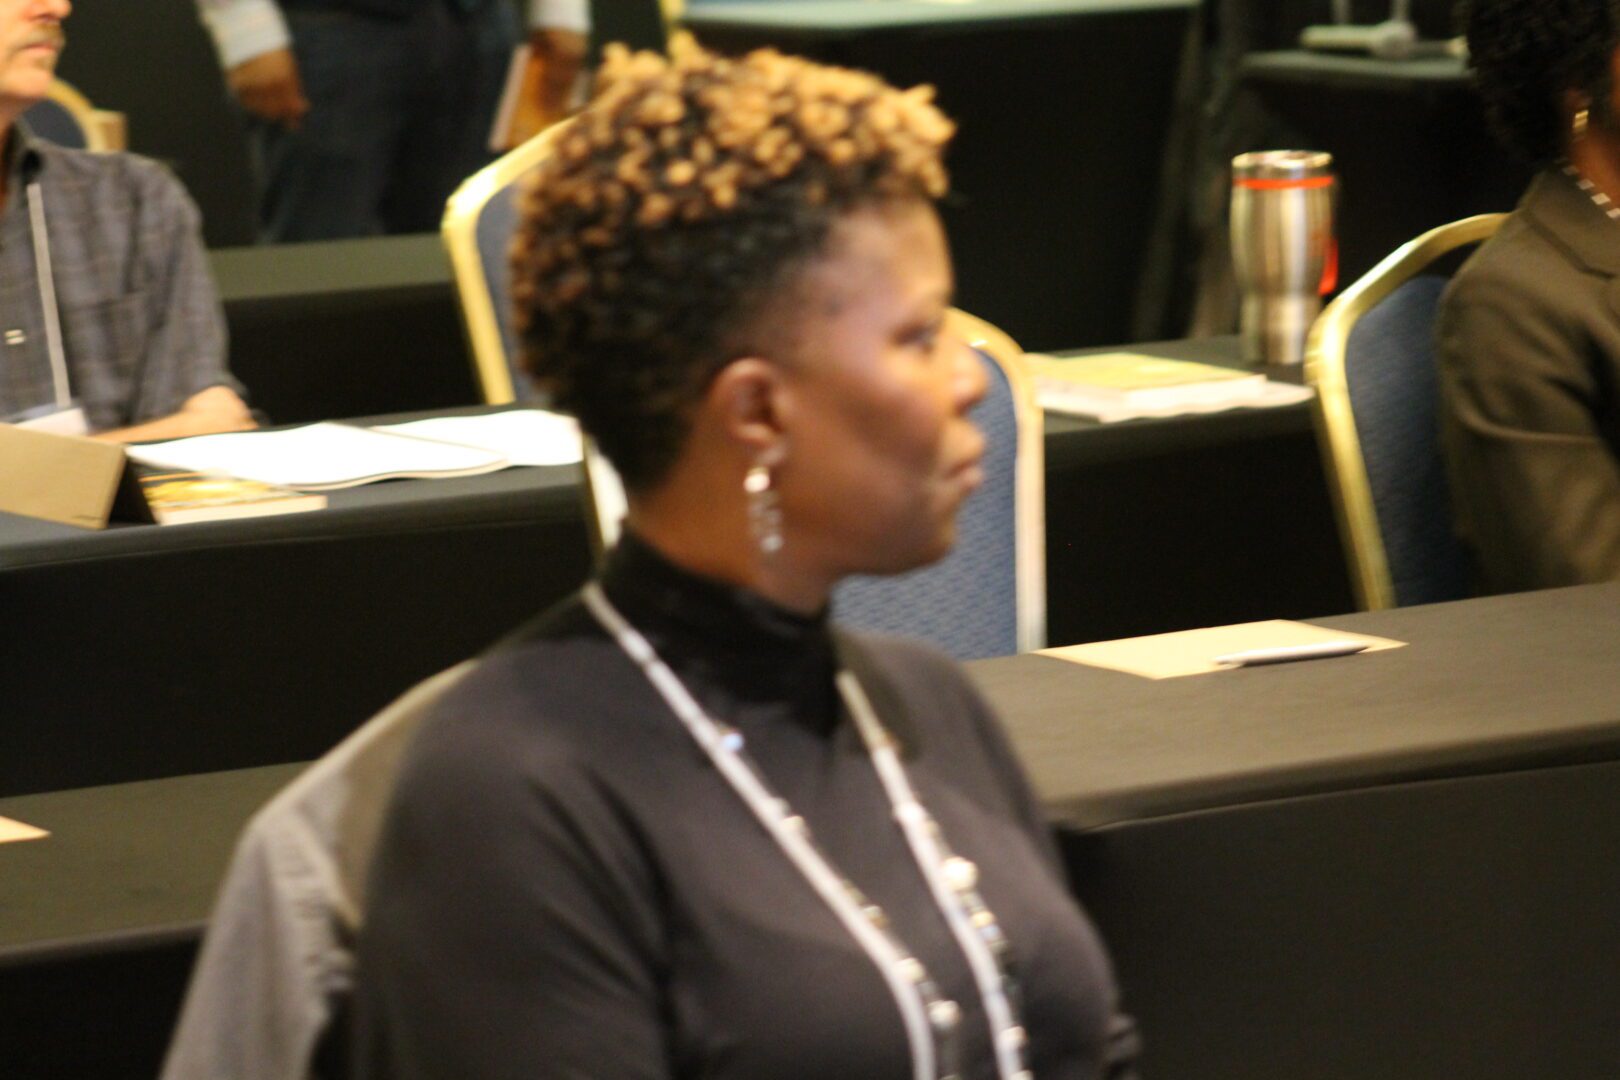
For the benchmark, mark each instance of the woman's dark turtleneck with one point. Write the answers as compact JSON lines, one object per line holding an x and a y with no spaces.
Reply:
{"x":735,"y":650}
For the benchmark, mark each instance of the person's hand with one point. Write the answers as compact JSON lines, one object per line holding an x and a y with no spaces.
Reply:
{"x":555,"y":60}
{"x":207,"y":412}
{"x":562,"y":55}
{"x":268,"y":86}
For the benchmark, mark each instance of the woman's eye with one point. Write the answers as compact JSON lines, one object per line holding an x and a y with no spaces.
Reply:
{"x":925,"y":338}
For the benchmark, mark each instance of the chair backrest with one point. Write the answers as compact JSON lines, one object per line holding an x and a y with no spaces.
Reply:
{"x":988,"y":596}
{"x":1371,"y":358}
{"x":479,"y":221}
{"x":66,"y":117}
{"x":276,"y":964}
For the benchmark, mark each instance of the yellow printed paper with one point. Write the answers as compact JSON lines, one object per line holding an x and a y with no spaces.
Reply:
{"x":1130,"y":371}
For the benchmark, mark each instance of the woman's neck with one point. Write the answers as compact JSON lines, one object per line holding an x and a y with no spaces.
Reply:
{"x":713,"y":545}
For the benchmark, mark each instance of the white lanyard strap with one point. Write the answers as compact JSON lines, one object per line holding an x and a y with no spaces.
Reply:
{"x":931,"y":1021}
{"x":60,"y":385}
{"x":953,"y":881}
{"x":899,"y":971}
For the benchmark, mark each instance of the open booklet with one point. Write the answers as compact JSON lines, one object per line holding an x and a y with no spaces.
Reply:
{"x":320,"y":457}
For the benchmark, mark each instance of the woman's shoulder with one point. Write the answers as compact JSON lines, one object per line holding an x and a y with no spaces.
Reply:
{"x":1519,"y":262}
{"x":548,"y":704}
{"x":915,"y":686}
{"x":1522,"y":285}
{"x":1538,"y":258}
{"x":942,"y":722}
{"x":903,"y":659}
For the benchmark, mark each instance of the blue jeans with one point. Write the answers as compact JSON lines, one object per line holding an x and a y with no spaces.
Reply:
{"x":400,"y":112}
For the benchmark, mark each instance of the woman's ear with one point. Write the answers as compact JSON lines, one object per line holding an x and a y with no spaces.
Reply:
{"x":746,"y":401}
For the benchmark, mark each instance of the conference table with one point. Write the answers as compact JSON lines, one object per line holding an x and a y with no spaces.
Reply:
{"x":285,"y":633}
{"x":1403,"y":863}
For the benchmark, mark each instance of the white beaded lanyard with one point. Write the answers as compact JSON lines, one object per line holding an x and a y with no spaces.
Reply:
{"x":1600,"y":200}
{"x":931,"y":1020}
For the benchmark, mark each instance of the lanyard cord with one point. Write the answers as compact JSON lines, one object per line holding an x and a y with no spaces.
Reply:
{"x":931,"y":1021}
{"x":60,"y":386}
{"x":720,"y":744}
{"x":953,"y":881}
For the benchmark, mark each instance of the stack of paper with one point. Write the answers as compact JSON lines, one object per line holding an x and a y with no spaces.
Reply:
{"x":319,"y":457}
{"x":522,"y":436}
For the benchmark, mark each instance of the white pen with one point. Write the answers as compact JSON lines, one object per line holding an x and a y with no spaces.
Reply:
{"x":1282,"y":654}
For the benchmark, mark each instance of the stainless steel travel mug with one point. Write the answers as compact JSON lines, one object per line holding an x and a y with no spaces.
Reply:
{"x":1283,"y":248}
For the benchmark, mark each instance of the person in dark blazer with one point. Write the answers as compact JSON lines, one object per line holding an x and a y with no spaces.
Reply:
{"x":1529,"y":330}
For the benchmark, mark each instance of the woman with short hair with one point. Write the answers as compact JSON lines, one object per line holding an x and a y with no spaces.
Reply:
{"x":682,"y":826}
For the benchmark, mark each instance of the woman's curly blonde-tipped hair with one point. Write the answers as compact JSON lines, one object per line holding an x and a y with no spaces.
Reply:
{"x":676,"y":206}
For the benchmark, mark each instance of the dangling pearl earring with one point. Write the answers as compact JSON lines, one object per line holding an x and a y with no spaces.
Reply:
{"x":764,"y":504}
{"x":1578,"y":126}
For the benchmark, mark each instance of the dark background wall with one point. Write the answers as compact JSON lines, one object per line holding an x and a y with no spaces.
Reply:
{"x":153,"y":61}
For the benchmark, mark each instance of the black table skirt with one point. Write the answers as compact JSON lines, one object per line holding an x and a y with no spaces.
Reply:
{"x":1404,"y":863}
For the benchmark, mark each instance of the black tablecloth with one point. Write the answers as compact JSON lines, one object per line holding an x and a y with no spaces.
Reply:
{"x":1403,"y":863}
{"x":1530,"y":680}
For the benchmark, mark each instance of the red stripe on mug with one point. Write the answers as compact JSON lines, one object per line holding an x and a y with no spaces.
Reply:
{"x":1330,"y":268}
{"x":1303,"y":183}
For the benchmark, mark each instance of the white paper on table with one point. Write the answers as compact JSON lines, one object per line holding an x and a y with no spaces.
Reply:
{"x":522,"y":436}
{"x":1270,"y":395}
{"x":1193,"y":652}
{"x":12,"y":831}
{"x":319,"y":456}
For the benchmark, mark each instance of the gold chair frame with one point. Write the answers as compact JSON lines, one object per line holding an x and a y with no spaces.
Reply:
{"x":103,"y":129}
{"x":1029,"y":496}
{"x":459,"y":230}
{"x":1342,"y":458}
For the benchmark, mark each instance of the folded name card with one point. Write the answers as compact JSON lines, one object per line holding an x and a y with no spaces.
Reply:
{"x":68,"y":479}
{"x":1194,"y":652}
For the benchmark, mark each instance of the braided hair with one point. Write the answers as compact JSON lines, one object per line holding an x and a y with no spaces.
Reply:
{"x":1527,"y":53}
{"x":677,"y":207}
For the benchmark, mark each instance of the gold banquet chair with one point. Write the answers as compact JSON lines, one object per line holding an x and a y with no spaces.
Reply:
{"x":988,"y":596}
{"x":477,"y":229}
{"x":481,"y":215}
{"x":1371,"y":358}
{"x":479,"y":220}
{"x":66,"y":117}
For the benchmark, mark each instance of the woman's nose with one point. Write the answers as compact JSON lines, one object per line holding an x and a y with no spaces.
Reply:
{"x":971,"y":381}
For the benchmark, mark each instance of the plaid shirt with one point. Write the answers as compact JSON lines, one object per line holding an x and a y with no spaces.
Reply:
{"x":141,"y":322}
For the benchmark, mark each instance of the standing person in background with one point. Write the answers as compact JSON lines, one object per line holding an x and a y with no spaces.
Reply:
{"x":106,"y":302}
{"x":1529,"y":330}
{"x":364,"y":115}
